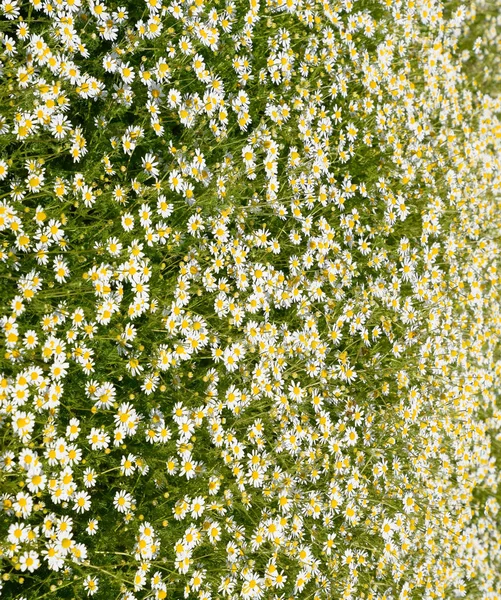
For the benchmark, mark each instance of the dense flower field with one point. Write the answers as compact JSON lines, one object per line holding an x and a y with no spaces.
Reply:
{"x":250,"y":258}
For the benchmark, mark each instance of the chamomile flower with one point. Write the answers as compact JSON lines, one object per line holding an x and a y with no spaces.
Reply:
{"x":91,"y":584}
{"x":150,"y":165}
{"x":29,"y":561}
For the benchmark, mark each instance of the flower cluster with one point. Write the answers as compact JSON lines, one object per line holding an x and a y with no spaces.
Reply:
{"x":250,"y":310}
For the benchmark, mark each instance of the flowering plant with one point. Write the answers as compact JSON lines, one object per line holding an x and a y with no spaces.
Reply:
{"x":250,"y":316}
